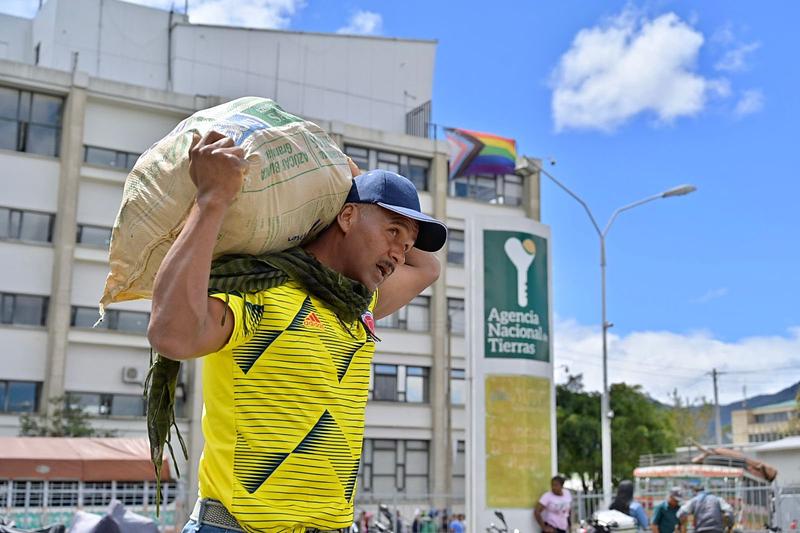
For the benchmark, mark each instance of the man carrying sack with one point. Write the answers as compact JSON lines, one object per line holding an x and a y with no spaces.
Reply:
{"x":287,"y":340}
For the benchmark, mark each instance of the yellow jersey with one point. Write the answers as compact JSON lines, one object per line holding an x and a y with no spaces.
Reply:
{"x":283,"y":412}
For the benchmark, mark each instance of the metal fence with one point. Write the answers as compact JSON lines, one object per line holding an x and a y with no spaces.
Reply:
{"x":36,"y":504}
{"x":753,"y":507}
{"x":787,"y":508}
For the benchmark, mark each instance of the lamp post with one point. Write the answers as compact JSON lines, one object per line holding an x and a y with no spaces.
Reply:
{"x":531,"y":165}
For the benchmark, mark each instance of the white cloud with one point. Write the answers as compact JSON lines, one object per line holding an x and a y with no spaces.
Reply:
{"x":713,"y":294}
{"x":629,"y":65}
{"x":735,"y":59}
{"x":363,"y":23}
{"x":661,"y":361}
{"x":274,"y":14}
{"x":752,"y":101}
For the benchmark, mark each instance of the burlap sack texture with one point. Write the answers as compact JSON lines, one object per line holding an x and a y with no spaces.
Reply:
{"x":297,"y":182}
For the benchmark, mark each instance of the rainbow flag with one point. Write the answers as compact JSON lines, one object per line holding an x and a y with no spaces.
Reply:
{"x":472,"y":152}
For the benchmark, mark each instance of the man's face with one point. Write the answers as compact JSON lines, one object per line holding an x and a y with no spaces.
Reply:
{"x":376,"y":243}
{"x":673,"y":502}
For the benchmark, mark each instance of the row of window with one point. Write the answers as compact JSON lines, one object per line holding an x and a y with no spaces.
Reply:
{"x":391,"y":383}
{"x":31,"y":310}
{"x":23,"y":397}
{"x":411,"y":384}
{"x":766,"y":418}
{"x":31,"y":122}
{"x":414,"y":168}
{"x":37,"y":226}
{"x":391,"y":466}
{"x":416,"y":316}
{"x":770,"y":436}
{"x":27,"y":494}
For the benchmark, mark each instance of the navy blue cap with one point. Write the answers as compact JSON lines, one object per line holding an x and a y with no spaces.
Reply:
{"x":396,"y":193}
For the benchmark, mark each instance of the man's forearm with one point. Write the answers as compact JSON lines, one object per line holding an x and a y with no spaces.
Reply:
{"x":180,"y":292}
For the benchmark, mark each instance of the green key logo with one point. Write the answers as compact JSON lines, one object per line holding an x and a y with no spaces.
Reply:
{"x":516,"y":307}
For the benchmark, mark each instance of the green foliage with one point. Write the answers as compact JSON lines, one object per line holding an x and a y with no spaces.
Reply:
{"x":639,"y":426}
{"x":65,"y":418}
{"x":578,"y":426}
{"x":690,"y":419}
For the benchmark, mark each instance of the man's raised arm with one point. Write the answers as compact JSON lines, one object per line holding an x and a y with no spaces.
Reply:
{"x":184,"y":321}
{"x":420,"y":270}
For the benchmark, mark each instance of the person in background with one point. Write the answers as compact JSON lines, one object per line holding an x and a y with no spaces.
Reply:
{"x":624,"y":503}
{"x":665,"y":514}
{"x":711,"y":514}
{"x":552,"y":510}
{"x":456,"y":526}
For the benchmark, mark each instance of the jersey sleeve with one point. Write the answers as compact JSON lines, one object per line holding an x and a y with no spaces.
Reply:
{"x":246,"y":316}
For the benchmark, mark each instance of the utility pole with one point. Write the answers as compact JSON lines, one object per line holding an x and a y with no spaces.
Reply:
{"x":717,"y":422}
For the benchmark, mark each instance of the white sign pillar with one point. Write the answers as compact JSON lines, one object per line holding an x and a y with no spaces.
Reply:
{"x":511,"y":423}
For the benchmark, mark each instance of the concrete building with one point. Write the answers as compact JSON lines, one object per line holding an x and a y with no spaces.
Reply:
{"x":784,"y":455}
{"x":86,"y":86}
{"x":763,"y":424}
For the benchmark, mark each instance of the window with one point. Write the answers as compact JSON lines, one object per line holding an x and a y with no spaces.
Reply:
{"x":115,"y":319}
{"x":455,"y":314}
{"x":389,"y":467}
{"x":100,"y":404}
{"x":495,"y":189}
{"x":96,"y":493}
{"x":30,"y":122}
{"x":417,"y":384}
{"x":455,"y":247}
{"x":95,"y":236}
{"x":457,"y":387}
{"x":399,"y":383}
{"x":772,"y":417}
{"x":23,"y":225}
{"x":109,"y":158}
{"x":27,"y":494}
{"x":23,"y":309}
{"x":415,"y":316}
{"x":416,"y":169}
{"x":385,"y":383}
{"x":62,"y":494}
{"x":19,"y":396}
{"x":459,"y":468}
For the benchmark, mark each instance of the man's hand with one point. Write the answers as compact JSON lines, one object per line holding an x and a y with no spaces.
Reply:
{"x":354,"y":170}
{"x":217,"y":168}
{"x":184,"y":321}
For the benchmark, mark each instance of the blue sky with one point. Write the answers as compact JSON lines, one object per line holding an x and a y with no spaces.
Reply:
{"x":630,"y":99}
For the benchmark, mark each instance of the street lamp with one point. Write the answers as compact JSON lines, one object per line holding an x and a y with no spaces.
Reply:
{"x":530,"y":166}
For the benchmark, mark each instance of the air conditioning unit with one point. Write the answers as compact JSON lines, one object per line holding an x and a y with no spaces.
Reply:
{"x":133,"y":374}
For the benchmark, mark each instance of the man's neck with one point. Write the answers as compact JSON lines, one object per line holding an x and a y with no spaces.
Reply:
{"x":323,"y":250}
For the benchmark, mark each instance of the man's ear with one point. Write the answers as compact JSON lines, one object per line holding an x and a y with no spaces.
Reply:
{"x":346,"y":217}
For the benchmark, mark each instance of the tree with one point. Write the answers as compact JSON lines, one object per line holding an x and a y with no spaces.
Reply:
{"x":66,"y":418}
{"x":578,"y":429}
{"x":639,"y":426}
{"x":690,"y":419}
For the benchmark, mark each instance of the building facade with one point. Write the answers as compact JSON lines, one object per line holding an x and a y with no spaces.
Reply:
{"x":85,"y":87}
{"x":765,"y":424}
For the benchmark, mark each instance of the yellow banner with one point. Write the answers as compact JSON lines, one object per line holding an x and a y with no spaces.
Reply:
{"x":518,"y":445}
